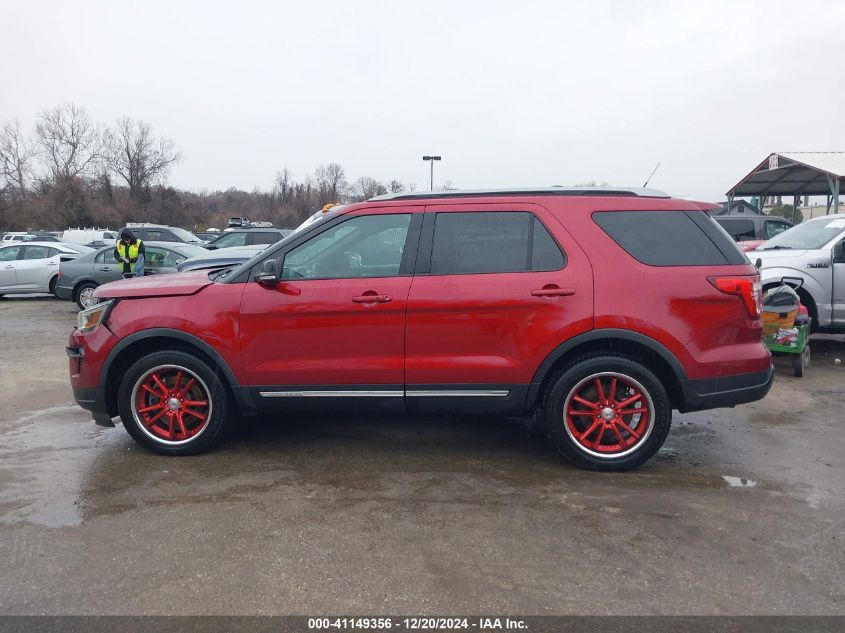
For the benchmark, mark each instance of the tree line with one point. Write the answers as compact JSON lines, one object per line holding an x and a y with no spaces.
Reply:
{"x":70,"y":171}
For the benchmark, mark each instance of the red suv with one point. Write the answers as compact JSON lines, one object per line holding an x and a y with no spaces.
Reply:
{"x":597,"y":311}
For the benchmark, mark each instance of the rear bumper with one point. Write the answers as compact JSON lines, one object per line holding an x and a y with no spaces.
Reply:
{"x":94,"y":400}
{"x":63,"y":292}
{"x":727,"y":391}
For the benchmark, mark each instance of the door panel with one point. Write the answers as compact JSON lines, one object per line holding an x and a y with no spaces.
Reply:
{"x":319,"y":327}
{"x":838,"y":299}
{"x":36,"y":268}
{"x":8,"y":266}
{"x":493,"y":329}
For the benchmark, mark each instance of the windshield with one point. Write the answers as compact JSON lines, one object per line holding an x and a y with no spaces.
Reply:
{"x":185,"y":236}
{"x":811,"y":235}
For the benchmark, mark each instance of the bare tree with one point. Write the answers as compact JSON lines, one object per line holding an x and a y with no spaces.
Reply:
{"x":366,"y":187}
{"x":284,"y":183}
{"x":395,"y":186}
{"x":137,"y":156}
{"x":15,"y":159}
{"x":68,"y":142}
{"x":331,"y":182}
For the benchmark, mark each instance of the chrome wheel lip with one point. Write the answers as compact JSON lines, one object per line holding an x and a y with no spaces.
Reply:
{"x":140,"y":422}
{"x":610,"y":456}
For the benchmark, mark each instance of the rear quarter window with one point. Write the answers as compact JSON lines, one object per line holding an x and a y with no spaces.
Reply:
{"x":670,"y":238}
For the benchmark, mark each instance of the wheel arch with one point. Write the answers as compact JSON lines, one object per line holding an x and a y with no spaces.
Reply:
{"x":129,"y":349}
{"x":651,"y":352}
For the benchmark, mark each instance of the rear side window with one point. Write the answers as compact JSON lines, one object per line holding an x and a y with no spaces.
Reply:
{"x":670,"y":238}
{"x":492,"y":242}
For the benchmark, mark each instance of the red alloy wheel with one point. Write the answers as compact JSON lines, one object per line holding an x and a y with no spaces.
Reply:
{"x":171,"y":404}
{"x":608,"y":415}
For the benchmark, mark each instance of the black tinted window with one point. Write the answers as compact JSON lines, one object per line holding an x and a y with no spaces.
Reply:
{"x":661,"y":238}
{"x":739,"y":229}
{"x":492,"y":242}
{"x":266,"y":237}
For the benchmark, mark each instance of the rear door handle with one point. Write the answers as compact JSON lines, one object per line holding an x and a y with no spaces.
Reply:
{"x":372,"y":297}
{"x":107,"y":269}
{"x":553,"y":290}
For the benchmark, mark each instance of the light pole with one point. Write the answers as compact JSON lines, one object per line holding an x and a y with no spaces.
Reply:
{"x":431,"y":159}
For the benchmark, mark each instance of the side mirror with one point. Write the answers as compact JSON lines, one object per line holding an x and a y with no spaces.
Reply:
{"x":267,"y":273}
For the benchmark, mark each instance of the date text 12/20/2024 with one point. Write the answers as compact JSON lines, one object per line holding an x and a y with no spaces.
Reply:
{"x":417,"y":623}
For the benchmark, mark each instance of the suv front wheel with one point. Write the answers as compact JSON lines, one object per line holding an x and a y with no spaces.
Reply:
{"x":607,"y":412}
{"x":172,"y":403}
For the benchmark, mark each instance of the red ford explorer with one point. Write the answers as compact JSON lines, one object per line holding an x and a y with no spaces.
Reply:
{"x":598,"y":311}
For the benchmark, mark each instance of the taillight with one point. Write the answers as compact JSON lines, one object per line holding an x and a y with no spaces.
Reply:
{"x":749,"y":289}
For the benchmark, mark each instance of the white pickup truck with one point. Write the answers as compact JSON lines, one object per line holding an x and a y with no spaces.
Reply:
{"x":815,"y":252}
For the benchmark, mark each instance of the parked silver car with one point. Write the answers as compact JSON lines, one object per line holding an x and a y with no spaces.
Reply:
{"x":31,"y":267}
{"x":79,"y":278}
{"x":813,"y":251}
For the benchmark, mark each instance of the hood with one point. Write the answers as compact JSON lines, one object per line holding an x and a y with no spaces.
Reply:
{"x":776,"y":255}
{"x":154,"y":286}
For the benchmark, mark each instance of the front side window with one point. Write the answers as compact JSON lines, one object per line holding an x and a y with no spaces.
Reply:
{"x":364,"y":246}
{"x":492,"y":242}
{"x":155,"y":257}
{"x":775,"y":228}
{"x":160,"y":236}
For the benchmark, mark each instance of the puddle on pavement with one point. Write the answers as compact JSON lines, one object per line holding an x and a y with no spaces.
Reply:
{"x":58,"y":469}
{"x":44,"y":457}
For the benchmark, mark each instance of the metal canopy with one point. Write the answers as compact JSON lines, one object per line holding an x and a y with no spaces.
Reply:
{"x":796,"y":174}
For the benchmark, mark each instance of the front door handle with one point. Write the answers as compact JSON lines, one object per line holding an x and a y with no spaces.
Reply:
{"x":553,"y":290}
{"x":371,"y":297}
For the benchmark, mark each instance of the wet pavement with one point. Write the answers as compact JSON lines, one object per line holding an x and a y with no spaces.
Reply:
{"x":742,"y":512}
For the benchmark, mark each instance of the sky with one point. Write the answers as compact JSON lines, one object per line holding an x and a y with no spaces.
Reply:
{"x":509,"y":93}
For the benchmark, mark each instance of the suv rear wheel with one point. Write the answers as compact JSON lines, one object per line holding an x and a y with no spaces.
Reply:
{"x":607,"y":412}
{"x":172,"y":403}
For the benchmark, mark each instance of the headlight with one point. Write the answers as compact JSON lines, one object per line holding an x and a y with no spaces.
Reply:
{"x":88,"y":320}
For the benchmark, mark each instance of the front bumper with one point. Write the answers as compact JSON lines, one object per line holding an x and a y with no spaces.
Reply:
{"x":727,"y":391}
{"x":93,"y":399}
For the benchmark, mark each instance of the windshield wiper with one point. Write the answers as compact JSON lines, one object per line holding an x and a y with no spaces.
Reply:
{"x":778,"y":247}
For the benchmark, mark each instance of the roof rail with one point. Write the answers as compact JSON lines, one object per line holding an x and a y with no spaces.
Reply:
{"x":640,"y":192}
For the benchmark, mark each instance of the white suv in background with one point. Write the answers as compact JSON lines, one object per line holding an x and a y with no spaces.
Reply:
{"x":815,"y":253}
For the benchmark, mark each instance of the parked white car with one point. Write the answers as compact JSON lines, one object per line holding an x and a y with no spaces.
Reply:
{"x":34,"y":266}
{"x":813,"y":251}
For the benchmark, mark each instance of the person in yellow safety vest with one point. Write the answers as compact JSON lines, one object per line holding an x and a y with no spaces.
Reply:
{"x":129,"y":251}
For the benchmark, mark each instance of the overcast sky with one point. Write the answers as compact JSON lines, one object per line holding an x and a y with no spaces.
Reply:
{"x":510,"y":93}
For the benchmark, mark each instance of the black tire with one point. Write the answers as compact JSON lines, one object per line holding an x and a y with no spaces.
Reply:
{"x":648,"y":430}
{"x":78,"y":293}
{"x":52,"y":286}
{"x":161,"y":364}
{"x":800,"y":362}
